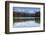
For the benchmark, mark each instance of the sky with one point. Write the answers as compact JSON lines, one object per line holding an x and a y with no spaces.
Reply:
{"x":26,"y":9}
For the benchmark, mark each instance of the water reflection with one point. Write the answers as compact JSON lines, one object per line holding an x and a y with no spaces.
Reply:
{"x":30,"y":22}
{"x":36,"y":19}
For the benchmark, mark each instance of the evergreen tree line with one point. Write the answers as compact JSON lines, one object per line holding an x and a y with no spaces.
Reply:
{"x":15,"y":14}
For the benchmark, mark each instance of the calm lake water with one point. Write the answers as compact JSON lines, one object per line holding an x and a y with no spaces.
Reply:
{"x":28,"y":23}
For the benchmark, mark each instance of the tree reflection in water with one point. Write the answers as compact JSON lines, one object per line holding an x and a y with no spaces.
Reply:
{"x":36,"y":19}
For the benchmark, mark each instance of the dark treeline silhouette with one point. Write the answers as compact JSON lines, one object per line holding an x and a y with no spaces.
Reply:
{"x":37,"y":14}
{"x":15,"y":14}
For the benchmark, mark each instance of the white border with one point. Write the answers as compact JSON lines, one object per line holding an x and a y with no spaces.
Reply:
{"x":11,"y":29}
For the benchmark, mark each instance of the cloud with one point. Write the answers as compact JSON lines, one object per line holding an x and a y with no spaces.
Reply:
{"x":26,"y":9}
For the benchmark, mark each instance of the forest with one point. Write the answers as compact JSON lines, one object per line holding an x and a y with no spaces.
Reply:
{"x":17,"y":14}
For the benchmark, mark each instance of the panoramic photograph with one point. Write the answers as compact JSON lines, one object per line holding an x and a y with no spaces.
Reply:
{"x":25,"y":17}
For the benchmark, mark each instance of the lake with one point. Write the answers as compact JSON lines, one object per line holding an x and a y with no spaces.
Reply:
{"x":32,"y":22}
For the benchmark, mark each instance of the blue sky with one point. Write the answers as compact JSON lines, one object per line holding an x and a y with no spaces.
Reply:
{"x":26,"y":9}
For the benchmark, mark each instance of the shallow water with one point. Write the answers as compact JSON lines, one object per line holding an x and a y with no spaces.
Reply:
{"x":29,"y":23}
